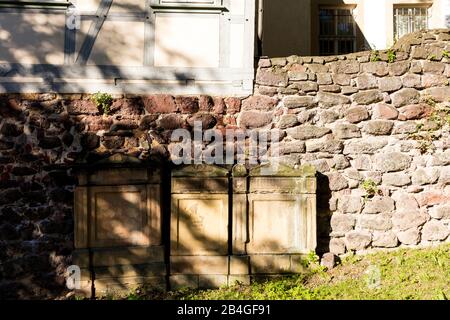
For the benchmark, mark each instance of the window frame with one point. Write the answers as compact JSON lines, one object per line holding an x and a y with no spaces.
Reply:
{"x":426,"y":6}
{"x":335,"y":38}
{"x":188,"y":4}
{"x":35,"y":4}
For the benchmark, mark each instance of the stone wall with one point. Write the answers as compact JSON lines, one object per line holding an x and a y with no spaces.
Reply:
{"x":370,"y":118}
{"x":378,"y":120}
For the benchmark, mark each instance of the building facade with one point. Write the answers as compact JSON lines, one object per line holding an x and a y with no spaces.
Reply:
{"x":324,"y":27}
{"x":178,"y":46}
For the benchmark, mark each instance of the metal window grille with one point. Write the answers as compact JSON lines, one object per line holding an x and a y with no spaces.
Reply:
{"x":337,"y":33}
{"x":410,"y":19}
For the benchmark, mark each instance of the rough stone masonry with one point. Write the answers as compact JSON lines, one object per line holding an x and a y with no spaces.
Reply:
{"x":376,"y":127}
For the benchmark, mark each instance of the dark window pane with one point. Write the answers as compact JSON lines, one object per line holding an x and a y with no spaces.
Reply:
{"x":327,"y":22}
{"x":336,"y":31}
{"x":345,"y":46}
{"x":345,"y":23}
{"x":326,"y":47}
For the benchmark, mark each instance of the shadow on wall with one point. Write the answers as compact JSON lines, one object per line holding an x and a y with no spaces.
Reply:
{"x":196,"y":237}
{"x":323,"y":213}
{"x":294,"y":28}
{"x":32,"y":47}
{"x":204,"y":236}
{"x":41,"y":138}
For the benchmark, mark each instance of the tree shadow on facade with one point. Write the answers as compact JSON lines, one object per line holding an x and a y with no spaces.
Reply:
{"x":40,"y":143}
{"x":194,"y":255}
{"x":36,"y":213}
{"x":50,"y":58}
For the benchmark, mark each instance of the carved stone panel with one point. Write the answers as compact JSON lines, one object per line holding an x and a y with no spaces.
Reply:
{"x":118,"y":216}
{"x":199,"y":224}
{"x":239,"y":232}
{"x":117,"y":204}
{"x":118,"y":224}
{"x":274,"y":210}
{"x":280,"y":223}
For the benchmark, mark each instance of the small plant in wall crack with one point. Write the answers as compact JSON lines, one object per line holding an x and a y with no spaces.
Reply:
{"x":391,"y":56}
{"x":312,"y":262}
{"x":370,"y":187}
{"x":425,"y":141}
{"x":446,"y":54}
{"x":426,"y":133}
{"x":440,"y":117}
{"x":375,"y":56}
{"x":103,"y":101}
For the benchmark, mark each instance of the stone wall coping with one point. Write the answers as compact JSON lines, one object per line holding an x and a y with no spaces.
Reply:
{"x":402,"y":45}
{"x":117,"y":160}
{"x":200,"y":170}
{"x":282,"y":171}
{"x":239,"y":170}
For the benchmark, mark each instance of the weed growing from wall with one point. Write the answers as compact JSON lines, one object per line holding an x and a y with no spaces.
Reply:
{"x":375,"y":56}
{"x":103,"y":101}
{"x":370,"y":187}
{"x":428,"y":129}
{"x":391,"y":56}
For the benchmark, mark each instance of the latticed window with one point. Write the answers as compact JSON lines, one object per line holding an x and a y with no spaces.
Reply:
{"x":409,"y":19}
{"x":336,"y":31}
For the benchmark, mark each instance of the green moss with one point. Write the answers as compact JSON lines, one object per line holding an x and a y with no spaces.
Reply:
{"x":239,"y":170}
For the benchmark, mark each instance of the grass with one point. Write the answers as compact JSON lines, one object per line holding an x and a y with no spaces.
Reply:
{"x":404,"y":274}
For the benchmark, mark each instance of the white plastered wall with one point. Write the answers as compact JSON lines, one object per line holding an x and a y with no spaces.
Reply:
{"x":180,"y":47}
{"x":32,"y":38}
